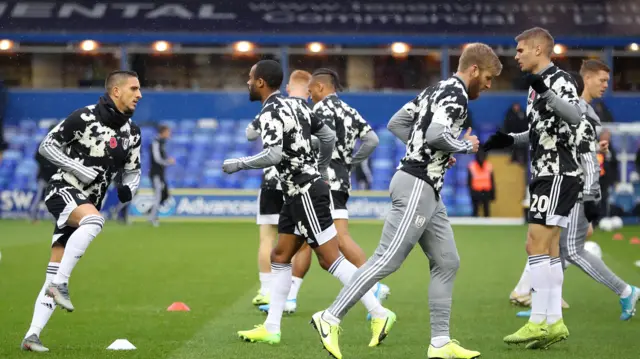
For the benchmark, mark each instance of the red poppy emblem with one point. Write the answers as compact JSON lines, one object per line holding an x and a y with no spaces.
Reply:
{"x":113,"y":143}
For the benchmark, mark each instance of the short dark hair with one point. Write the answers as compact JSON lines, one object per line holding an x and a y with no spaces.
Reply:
{"x":335,"y":79}
{"x":115,"y":76}
{"x":538,"y":33}
{"x":162,"y":128}
{"x":579,"y":82}
{"x":593,"y":65}
{"x":270,"y":71}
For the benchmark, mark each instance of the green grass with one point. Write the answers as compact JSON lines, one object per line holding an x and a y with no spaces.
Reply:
{"x":130,"y":275}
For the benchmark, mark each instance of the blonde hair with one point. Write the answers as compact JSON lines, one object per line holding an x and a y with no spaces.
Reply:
{"x":300,"y":77}
{"x":538,"y":34}
{"x":481,"y":55}
{"x":593,"y":66}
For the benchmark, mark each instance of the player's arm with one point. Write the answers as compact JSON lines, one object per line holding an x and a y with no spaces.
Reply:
{"x":327,"y":140}
{"x":157,"y":154}
{"x":401,"y":123}
{"x":253,"y":130}
{"x":562,"y":98}
{"x":66,"y":132}
{"x":589,"y":161}
{"x":131,"y":170}
{"x":271,"y":131}
{"x":369,"y":140}
{"x":450,"y":107}
{"x":521,"y":138}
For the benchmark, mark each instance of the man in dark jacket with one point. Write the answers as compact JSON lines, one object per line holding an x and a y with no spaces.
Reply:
{"x":46,"y":169}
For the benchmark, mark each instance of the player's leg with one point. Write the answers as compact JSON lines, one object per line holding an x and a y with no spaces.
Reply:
{"x":402,"y":229}
{"x":351,"y":250}
{"x":539,"y":241}
{"x":82,"y":215}
{"x":269,"y":332}
{"x":269,"y":206}
{"x":45,"y":306}
{"x":521,"y":294}
{"x":301,"y":263}
{"x":268,"y":236}
{"x":595,"y":267}
{"x":156,"y":183}
{"x":289,"y":242}
{"x":438,"y":244}
{"x":553,"y":199}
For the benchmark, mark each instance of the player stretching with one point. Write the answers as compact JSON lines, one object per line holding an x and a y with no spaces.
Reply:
{"x":553,"y":113}
{"x":349,"y":126}
{"x":270,"y":201}
{"x":89,"y":147}
{"x":429,"y":125}
{"x":595,"y":76}
{"x":286,"y":126}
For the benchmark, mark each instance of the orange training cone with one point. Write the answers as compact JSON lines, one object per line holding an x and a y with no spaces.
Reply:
{"x":178,"y":307}
{"x":618,"y":237}
{"x":634,"y":240}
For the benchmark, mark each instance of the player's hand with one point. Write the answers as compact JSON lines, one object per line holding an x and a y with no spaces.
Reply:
{"x":604,"y":146}
{"x":124,"y":194}
{"x":537,"y":83}
{"x":231,"y":166}
{"x":497,"y":141}
{"x":451,"y":163}
{"x":473,"y":139}
{"x":172,"y":161}
{"x":591,"y":210}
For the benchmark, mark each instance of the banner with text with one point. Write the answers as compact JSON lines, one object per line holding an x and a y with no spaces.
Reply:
{"x":490,"y":17}
{"x":194,"y":204}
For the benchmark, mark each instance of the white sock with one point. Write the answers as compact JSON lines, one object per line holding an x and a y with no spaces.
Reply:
{"x":44,"y":305}
{"x":295,"y":287}
{"x":524,"y":285}
{"x":626,"y":292}
{"x":265,"y":281}
{"x":280,"y":285}
{"x":554,"y":309}
{"x":77,"y":244}
{"x":540,"y":269}
{"x":344,"y":270}
{"x":439,"y":342}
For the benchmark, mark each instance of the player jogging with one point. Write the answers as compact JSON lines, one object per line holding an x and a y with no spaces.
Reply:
{"x":349,"y":126}
{"x":594,"y":75}
{"x":270,"y":201}
{"x":553,"y":112}
{"x":286,"y":126}
{"x":429,"y":125}
{"x":89,"y":147}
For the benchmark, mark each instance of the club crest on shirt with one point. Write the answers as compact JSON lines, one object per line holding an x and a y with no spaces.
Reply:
{"x":113,"y":143}
{"x":125,"y":143}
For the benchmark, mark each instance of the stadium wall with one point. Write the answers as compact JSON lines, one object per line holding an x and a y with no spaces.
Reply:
{"x":188,"y":204}
{"x":377,"y":108}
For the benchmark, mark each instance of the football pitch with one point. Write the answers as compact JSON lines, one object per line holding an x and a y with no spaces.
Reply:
{"x":131,"y":274}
